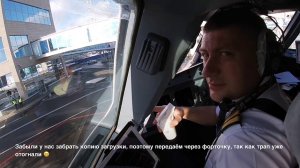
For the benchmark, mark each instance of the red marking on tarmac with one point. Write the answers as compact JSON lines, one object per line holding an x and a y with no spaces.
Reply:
{"x":8,"y":160}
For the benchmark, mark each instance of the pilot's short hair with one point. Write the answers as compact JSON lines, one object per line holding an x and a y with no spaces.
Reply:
{"x":244,"y":18}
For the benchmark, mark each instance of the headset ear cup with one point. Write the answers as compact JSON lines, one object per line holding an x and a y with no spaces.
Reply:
{"x":273,"y":54}
{"x":276,"y":58}
{"x":274,"y":66}
{"x":261,"y":53}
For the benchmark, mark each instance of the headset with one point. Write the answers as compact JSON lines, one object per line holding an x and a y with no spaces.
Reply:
{"x":269,"y":49}
{"x":269,"y":52}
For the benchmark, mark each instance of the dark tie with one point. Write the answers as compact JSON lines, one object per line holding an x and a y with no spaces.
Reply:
{"x":225,"y":106}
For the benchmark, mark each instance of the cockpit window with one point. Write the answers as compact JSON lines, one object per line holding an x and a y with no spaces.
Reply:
{"x":282,"y":20}
{"x":58,"y":74}
{"x":193,"y":57}
{"x":278,"y":21}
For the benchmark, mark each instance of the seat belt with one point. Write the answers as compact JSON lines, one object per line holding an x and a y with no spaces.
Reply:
{"x":265,"y":105}
{"x":270,"y":107}
{"x":250,"y":101}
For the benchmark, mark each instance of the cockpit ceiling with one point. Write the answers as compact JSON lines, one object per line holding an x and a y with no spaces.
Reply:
{"x":200,"y":6}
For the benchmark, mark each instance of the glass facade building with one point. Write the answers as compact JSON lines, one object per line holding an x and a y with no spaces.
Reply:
{"x":88,"y":35}
{"x":29,"y":72}
{"x":2,"y":53}
{"x":18,"y":41}
{"x":24,"y":21}
{"x":6,"y":80}
{"x":3,"y":81}
{"x":15,"y":11}
{"x":20,"y":46}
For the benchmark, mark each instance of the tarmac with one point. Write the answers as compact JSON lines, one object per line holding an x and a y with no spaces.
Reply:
{"x":11,"y":111}
{"x":65,"y":86}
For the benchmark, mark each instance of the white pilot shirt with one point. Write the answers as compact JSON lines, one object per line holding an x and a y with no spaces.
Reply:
{"x":251,"y":143}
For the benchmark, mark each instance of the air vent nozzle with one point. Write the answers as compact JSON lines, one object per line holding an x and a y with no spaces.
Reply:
{"x":153,"y":54}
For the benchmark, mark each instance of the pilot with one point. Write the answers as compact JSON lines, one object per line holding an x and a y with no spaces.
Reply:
{"x":236,"y":49}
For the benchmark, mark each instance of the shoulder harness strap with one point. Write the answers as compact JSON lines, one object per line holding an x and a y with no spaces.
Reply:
{"x":263,"y":104}
{"x":270,"y":107}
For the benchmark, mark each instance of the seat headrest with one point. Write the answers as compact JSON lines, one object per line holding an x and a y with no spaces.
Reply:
{"x":292,"y":125}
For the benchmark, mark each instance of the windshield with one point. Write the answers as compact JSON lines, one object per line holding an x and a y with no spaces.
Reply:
{"x":58,"y":69}
{"x":278,"y":21}
{"x":282,"y":19}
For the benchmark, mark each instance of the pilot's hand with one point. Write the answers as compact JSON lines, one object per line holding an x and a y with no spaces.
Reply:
{"x":158,"y":109}
{"x":178,"y":115}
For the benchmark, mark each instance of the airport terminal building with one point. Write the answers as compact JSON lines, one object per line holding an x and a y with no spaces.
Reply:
{"x":19,"y":21}
{"x":33,"y":54}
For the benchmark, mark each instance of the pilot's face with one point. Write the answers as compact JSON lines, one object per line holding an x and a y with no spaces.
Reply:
{"x":230,"y":66}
